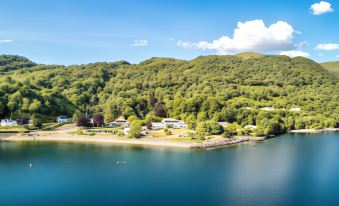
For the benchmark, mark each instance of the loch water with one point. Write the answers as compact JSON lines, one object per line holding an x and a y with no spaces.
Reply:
{"x":291,"y":169}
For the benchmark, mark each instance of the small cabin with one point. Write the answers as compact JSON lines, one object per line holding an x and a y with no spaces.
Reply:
{"x":62,"y":119}
{"x":8,"y":123}
{"x":121,"y":121}
{"x":223,"y":124}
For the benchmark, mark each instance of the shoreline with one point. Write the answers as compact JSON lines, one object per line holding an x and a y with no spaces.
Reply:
{"x":146,"y":141}
{"x":314,"y":130}
{"x":58,"y":137}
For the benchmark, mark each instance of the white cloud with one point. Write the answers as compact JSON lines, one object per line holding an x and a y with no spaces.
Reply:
{"x":295,"y":53}
{"x":321,"y":8}
{"x":140,"y":43}
{"x":328,"y":46}
{"x":5,"y":41}
{"x":251,"y":36}
{"x":185,"y":44}
{"x":337,"y":56}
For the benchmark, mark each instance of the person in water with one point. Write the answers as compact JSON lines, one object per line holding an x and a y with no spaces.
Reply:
{"x":30,"y":165}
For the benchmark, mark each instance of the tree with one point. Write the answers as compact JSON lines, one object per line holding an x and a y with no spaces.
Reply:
{"x":230,"y":130}
{"x":191,"y":121}
{"x":34,"y":106}
{"x":201,"y":130}
{"x":98,"y":120}
{"x":83,"y":122}
{"x":132,"y":118}
{"x":159,"y":110}
{"x":23,"y":120}
{"x":273,"y":127}
{"x":135,"y":129}
{"x":76,"y":115}
{"x":214,"y":128}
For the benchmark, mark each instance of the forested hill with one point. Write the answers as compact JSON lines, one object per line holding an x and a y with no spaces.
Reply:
{"x":208,"y":87}
{"x":332,"y":67}
{"x":13,"y":62}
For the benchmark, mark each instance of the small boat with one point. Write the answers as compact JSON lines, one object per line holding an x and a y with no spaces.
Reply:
{"x":118,"y":163}
{"x":30,"y":165}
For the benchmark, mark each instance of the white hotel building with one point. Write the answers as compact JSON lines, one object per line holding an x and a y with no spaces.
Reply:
{"x":169,"y":122}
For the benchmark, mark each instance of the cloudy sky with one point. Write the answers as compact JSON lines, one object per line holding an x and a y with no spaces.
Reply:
{"x":83,"y":31}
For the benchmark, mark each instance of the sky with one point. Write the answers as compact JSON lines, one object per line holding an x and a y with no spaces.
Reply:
{"x":83,"y":31}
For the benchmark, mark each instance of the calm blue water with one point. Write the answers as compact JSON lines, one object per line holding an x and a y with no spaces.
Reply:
{"x":288,"y":170}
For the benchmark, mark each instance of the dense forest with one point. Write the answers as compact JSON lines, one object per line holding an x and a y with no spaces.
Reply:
{"x":217,"y":88}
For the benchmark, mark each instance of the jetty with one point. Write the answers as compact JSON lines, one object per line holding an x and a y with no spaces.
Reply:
{"x":224,"y":142}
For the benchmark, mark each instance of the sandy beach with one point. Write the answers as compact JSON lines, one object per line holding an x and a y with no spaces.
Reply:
{"x":51,"y":136}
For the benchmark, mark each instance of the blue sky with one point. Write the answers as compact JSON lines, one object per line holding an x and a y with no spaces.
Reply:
{"x":83,"y":31}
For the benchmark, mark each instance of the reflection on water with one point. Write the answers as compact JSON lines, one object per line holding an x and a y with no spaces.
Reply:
{"x":288,"y":170}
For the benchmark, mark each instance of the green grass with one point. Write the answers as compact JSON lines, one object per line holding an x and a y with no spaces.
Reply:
{"x":53,"y":126}
{"x":332,"y":67}
{"x":15,"y":129}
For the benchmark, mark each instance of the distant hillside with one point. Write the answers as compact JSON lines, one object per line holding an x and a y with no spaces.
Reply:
{"x":205,"y":88}
{"x":13,"y":62}
{"x":332,"y":67}
{"x":249,"y":55}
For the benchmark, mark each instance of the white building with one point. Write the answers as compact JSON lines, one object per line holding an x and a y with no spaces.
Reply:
{"x":142,"y":132}
{"x":169,"y":122}
{"x":250,"y":127}
{"x":157,"y":125}
{"x":295,"y":109}
{"x":267,"y":108}
{"x":223,"y":124}
{"x":121,"y":121}
{"x":62,"y":119}
{"x":8,"y":123}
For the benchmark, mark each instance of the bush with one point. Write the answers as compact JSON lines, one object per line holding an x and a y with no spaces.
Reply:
{"x":23,"y":120}
{"x":37,"y":124}
{"x":191,"y":135}
{"x":135,"y":129}
{"x":167,"y":131}
{"x":98,"y":120}
{"x":79,"y":132}
{"x":120,"y":134}
{"x":83,"y":122}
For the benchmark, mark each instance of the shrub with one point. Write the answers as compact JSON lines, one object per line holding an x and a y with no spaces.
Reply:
{"x":98,"y":120}
{"x":83,"y":122}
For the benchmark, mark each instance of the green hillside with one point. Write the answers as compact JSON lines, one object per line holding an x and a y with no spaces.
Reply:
{"x":205,"y":88}
{"x":249,"y":55}
{"x":13,"y":62}
{"x":332,"y":67}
